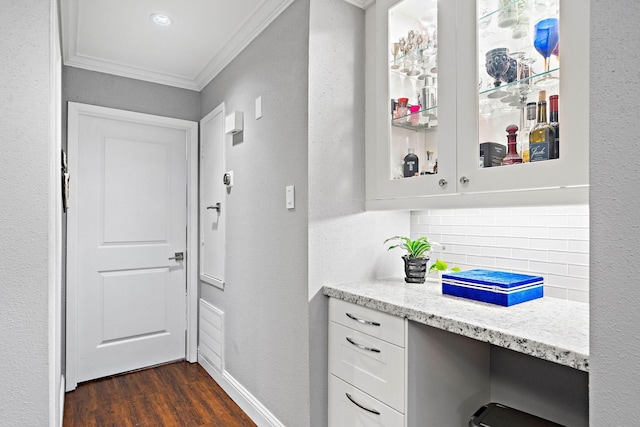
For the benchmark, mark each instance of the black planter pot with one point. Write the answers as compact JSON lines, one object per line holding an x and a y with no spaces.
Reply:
{"x":415,"y":269}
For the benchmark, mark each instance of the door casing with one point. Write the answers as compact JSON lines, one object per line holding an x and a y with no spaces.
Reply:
{"x":75,"y":110}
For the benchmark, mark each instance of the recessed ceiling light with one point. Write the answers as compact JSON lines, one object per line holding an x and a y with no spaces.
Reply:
{"x":162,"y":20}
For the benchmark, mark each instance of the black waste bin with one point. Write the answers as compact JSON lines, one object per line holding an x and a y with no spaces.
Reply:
{"x":498,"y":415}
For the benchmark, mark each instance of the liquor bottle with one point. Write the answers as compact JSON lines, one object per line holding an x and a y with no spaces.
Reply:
{"x":512,"y":156}
{"x":410,"y":167}
{"x":554,"y":152}
{"x":542,"y":135}
{"x":529,"y":123}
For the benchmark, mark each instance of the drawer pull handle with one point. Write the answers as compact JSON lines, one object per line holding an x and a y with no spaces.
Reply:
{"x":365,"y":322}
{"x":363,"y":347}
{"x":373,"y":411}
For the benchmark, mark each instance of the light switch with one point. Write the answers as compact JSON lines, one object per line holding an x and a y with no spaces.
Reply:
{"x":290,"y":196}
{"x":258,"y":107}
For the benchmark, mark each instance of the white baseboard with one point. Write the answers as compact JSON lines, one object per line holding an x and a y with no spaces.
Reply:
{"x":62,"y":393}
{"x":245,"y":400}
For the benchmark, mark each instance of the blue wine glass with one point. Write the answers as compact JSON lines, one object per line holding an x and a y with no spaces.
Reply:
{"x":545,"y":39}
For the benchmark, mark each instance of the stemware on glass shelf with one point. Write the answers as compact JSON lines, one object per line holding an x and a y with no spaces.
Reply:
{"x":497,"y":64}
{"x":545,"y":40}
{"x":395,"y":49}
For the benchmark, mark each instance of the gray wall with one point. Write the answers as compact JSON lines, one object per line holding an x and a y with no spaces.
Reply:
{"x":345,"y":242}
{"x":24,"y":213}
{"x":265,"y":299}
{"x":106,"y":90}
{"x":615,"y":203}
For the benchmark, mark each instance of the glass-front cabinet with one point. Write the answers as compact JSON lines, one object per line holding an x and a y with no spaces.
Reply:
{"x":468,"y":97}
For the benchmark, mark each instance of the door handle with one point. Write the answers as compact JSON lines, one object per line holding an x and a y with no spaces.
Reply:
{"x":179,"y":256}
{"x":215,"y":207}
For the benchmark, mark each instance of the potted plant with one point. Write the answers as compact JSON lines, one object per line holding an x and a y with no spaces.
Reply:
{"x":416,"y":258}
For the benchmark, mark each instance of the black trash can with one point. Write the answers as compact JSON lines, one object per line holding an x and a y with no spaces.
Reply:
{"x":498,"y":415}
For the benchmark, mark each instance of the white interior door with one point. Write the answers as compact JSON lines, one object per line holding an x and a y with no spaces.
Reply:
{"x":128,"y":214}
{"x":212,"y":198}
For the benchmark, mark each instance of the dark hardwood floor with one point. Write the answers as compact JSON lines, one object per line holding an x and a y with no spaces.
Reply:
{"x":177,"y":394}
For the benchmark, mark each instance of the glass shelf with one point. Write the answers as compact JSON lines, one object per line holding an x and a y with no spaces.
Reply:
{"x":524,"y":82}
{"x":427,"y":114}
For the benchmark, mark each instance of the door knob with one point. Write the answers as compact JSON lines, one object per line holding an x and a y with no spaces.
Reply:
{"x":179,"y":256}
{"x":215,"y":207}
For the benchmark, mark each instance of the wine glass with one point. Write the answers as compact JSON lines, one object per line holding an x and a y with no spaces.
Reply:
{"x":545,"y":40}
{"x":497,"y":64}
{"x":395,"y":48}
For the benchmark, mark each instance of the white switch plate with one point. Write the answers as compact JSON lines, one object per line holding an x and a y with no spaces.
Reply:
{"x":290,"y":196}
{"x":258,"y":107}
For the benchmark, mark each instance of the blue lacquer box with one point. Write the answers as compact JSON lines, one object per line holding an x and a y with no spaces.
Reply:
{"x":495,"y":287}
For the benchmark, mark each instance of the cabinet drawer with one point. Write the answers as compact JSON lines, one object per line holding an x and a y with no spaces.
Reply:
{"x":372,"y":322}
{"x":349,"y":406}
{"x":370,"y":364}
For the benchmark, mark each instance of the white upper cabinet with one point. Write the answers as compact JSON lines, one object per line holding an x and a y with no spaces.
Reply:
{"x":446,"y":78}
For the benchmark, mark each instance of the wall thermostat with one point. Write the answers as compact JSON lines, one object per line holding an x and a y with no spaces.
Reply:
{"x":227,"y":179}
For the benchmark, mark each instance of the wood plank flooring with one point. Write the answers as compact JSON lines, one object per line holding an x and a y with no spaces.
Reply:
{"x":178,"y":394}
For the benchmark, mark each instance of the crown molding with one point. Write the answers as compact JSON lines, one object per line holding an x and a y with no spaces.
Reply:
{"x":363,"y":4}
{"x":249,"y":30}
{"x":264,"y":15}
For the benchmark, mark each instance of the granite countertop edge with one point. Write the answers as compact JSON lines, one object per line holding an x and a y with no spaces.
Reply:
{"x":542,"y":350}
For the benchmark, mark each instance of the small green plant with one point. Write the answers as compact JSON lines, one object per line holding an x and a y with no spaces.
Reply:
{"x":440,"y":265}
{"x":418,"y":248}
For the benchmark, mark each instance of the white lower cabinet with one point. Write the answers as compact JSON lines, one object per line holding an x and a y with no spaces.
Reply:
{"x":387,"y":371}
{"x":367,"y":367}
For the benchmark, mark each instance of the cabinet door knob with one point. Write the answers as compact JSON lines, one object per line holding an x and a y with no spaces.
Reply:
{"x":442,"y":183}
{"x":464,"y":180}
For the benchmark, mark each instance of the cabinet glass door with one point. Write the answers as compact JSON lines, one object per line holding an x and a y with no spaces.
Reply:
{"x":524,"y":94}
{"x":415,"y":98}
{"x":413,"y":88}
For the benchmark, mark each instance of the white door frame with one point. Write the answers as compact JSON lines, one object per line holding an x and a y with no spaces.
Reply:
{"x":75,"y":110}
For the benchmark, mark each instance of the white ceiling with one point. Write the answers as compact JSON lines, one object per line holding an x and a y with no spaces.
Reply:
{"x":118,"y":36}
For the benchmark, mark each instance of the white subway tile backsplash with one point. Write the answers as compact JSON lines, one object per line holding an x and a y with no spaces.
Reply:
{"x":550,"y":220}
{"x":514,"y":220}
{"x":510,"y":264}
{"x":549,"y":267}
{"x":569,"y":257}
{"x":569,"y":233}
{"x":551,"y":244}
{"x":530,"y":254}
{"x":579,"y":296}
{"x":579,"y":246}
{"x":495,"y":251}
{"x":579,"y":271}
{"x":481,"y":261}
{"x":465,"y":249}
{"x":481,"y":240}
{"x":554,"y":292}
{"x":580,"y":221}
{"x":512,"y":242}
{"x":569,"y":210}
{"x":569,"y":282}
{"x":552,"y":241}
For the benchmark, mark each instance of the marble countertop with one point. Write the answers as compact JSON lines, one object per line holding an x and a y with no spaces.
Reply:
{"x":547,"y":328}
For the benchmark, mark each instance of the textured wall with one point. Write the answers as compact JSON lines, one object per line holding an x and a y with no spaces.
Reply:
{"x":106,"y":90}
{"x":24,"y":212}
{"x":550,"y":241}
{"x":265,"y":299}
{"x":345,"y":243}
{"x":615,"y":223}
